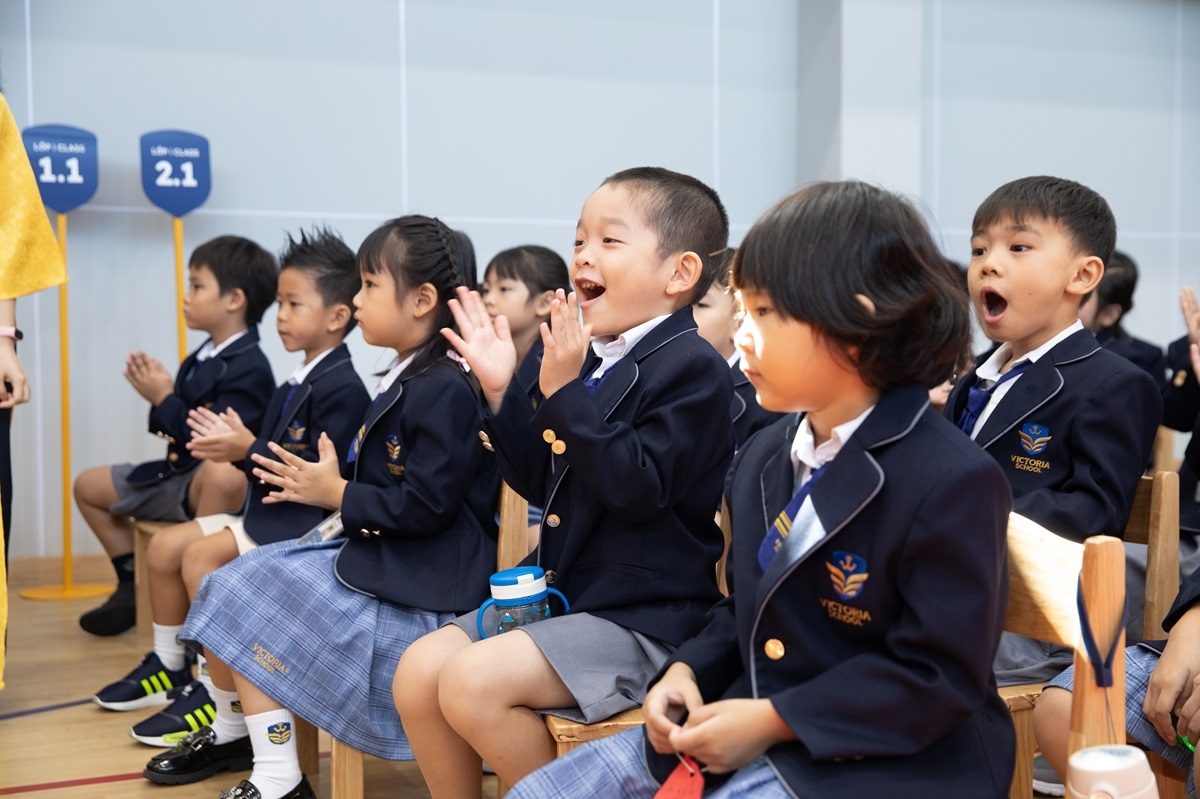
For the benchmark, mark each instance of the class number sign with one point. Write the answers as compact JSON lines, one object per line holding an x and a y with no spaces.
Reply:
{"x":64,"y":163}
{"x":176,"y":172}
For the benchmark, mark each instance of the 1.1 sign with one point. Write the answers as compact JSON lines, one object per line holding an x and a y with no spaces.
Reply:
{"x":65,"y":164}
{"x":176,"y":171}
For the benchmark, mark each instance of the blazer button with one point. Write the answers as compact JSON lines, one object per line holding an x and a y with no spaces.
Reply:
{"x":558,"y":447}
{"x":552,"y":520}
{"x":484,"y":437}
{"x":488,"y":447}
{"x":550,"y":575}
{"x":548,"y":436}
{"x":365,"y":532}
{"x":774,"y":649}
{"x":172,"y":456}
{"x":1180,"y":378}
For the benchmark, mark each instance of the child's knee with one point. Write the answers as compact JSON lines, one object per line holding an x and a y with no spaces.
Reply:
{"x":1052,"y":711}
{"x":165,"y":551}
{"x":95,"y":487}
{"x":416,"y":680}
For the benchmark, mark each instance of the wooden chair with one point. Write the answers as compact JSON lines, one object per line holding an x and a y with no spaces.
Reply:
{"x":569,"y":734}
{"x":1165,"y":459}
{"x":511,"y":548}
{"x":1154,"y":521}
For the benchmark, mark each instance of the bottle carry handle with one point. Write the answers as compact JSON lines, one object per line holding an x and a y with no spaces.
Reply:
{"x":491,"y":601}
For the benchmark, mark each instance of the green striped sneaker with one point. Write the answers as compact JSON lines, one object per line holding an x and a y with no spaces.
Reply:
{"x":191,"y":710}
{"x":145,"y":686}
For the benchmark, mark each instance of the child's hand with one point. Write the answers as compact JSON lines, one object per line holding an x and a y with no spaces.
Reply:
{"x":224,"y":438}
{"x":12,"y":372}
{"x":1175,"y":683}
{"x":149,"y":377}
{"x":727,"y":735}
{"x":486,"y":346}
{"x":672,"y":696}
{"x":298,"y":480}
{"x":1191,"y":313}
{"x":566,"y":344}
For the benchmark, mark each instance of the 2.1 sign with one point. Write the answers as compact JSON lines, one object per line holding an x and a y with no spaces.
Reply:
{"x":176,"y":171}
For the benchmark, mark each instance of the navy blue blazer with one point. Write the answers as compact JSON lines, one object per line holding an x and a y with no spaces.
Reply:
{"x":886,"y":680}
{"x":1073,"y":436}
{"x":331,"y":399}
{"x":1146,"y":355}
{"x":1189,"y":595}
{"x":628,"y":477}
{"x":420,"y":510}
{"x":748,"y":416}
{"x":238,"y":377}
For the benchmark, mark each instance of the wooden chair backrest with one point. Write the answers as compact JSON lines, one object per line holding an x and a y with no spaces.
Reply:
{"x":1154,"y":521}
{"x":512,"y":545}
{"x":1042,"y":569}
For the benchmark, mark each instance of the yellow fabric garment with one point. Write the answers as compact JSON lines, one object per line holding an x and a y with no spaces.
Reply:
{"x":30,"y":259}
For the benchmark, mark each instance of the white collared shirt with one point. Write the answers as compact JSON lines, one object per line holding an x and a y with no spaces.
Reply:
{"x":612,"y":351}
{"x":393,"y":374}
{"x":734,"y":359}
{"x":807,"y":458}
{"x":210,"y":350}
{"x":989,"y":370}
{"x":305,"y":369}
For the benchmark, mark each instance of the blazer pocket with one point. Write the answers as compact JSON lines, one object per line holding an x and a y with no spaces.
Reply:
{"x":630,"y":569}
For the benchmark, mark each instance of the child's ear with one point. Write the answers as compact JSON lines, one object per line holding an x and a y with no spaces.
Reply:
{"x":424,"y":299}
{"x":235,"y":300}
{"x":541,"y":303}
{"x":1088,"y":271}
{"x":339,"y":317}
{"x":685,"y":271}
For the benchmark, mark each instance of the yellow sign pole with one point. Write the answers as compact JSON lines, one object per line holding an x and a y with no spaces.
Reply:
{"x":179,"y":288}
{"x":68,"y":589}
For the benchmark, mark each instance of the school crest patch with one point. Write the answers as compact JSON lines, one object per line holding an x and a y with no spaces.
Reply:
{"x":279,"y":733}
{"x":296,"y":430}
{"x":392,"y":442}
{"x":1034,"y":437}
{"x":848,"y":573}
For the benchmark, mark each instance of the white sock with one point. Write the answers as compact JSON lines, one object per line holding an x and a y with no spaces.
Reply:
{"x":276,"y":762}
{"x":203,"y":676}
{"x":167,"y":646}
{"x":230,"y":724}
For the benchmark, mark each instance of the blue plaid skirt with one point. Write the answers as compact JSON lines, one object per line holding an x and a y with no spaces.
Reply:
{"x":279,"y":617}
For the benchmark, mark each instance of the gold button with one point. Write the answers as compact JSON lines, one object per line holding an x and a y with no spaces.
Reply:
{"x":1180,"y":378}
{"x":365,"y":532}
{"x":550,"y":575}
{"x":548,"y":436}
{"x":172,"y":456}
{"x":774,"y":649}
{"x":558,"y":447}
{"x":488,"y":447}
{"x":552,"y":520}
{"x":483,"y":437}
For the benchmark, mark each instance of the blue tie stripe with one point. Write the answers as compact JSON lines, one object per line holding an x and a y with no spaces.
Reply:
{"x":978,"y":397}
{"x":778,"y":531}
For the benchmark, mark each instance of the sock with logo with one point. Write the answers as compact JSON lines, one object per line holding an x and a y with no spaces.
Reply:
{"x":167,"y":646}
{"x":230,"y":724}
{"x":203,"y":676}
{"x":123,"y":564}
{"x":276,"y":762}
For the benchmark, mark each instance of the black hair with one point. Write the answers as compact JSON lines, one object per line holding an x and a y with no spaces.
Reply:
{"x":814,"y":250}
{"x":717,"y":268}
{"x":1119,"y":282}
{"x":416,"y":250}
{"x":1081,"y":212}
{"x":323,"y":256}
{"x":465,"y":253}
{"x":686,"y":214}
{"x":540,"y":268}
{"x":238,"y":263}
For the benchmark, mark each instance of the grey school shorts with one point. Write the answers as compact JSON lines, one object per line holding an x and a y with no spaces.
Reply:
{"x":165,"y":500}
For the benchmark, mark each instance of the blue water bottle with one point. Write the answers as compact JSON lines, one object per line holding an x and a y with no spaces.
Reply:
{"x":521,"y":597}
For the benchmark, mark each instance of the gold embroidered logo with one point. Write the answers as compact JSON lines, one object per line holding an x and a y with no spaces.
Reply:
{"x":1029,"y":464}
{"x":845,"y":613}
{"x":268,"y":661}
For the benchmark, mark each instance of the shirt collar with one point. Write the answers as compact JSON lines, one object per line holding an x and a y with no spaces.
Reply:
{"x":990,"y":369}
{"x":806,"y":455}
{"x":387,"y":380}
{"x":210,"y":350}
{"x":305,"y":369}
{"x":622,"y":344}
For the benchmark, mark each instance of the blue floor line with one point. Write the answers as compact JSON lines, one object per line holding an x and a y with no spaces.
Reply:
{"x":34,"y":711}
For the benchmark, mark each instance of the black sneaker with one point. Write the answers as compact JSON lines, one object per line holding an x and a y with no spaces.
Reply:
{"x":197,"y":757}
{"x":190,"y":709}
{"x":116,"y":615}
{"x":246,"y":790}
{"x":145,"y":686}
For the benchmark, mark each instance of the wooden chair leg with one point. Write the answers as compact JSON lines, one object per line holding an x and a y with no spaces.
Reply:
{"x":142,"y":531}
{"x":1022,"y":782}
{"x":347,"y":779}
{"x":307,"y":747}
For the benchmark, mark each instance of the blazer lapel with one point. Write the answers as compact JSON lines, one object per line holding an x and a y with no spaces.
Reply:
{"x":1028,"y":393}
